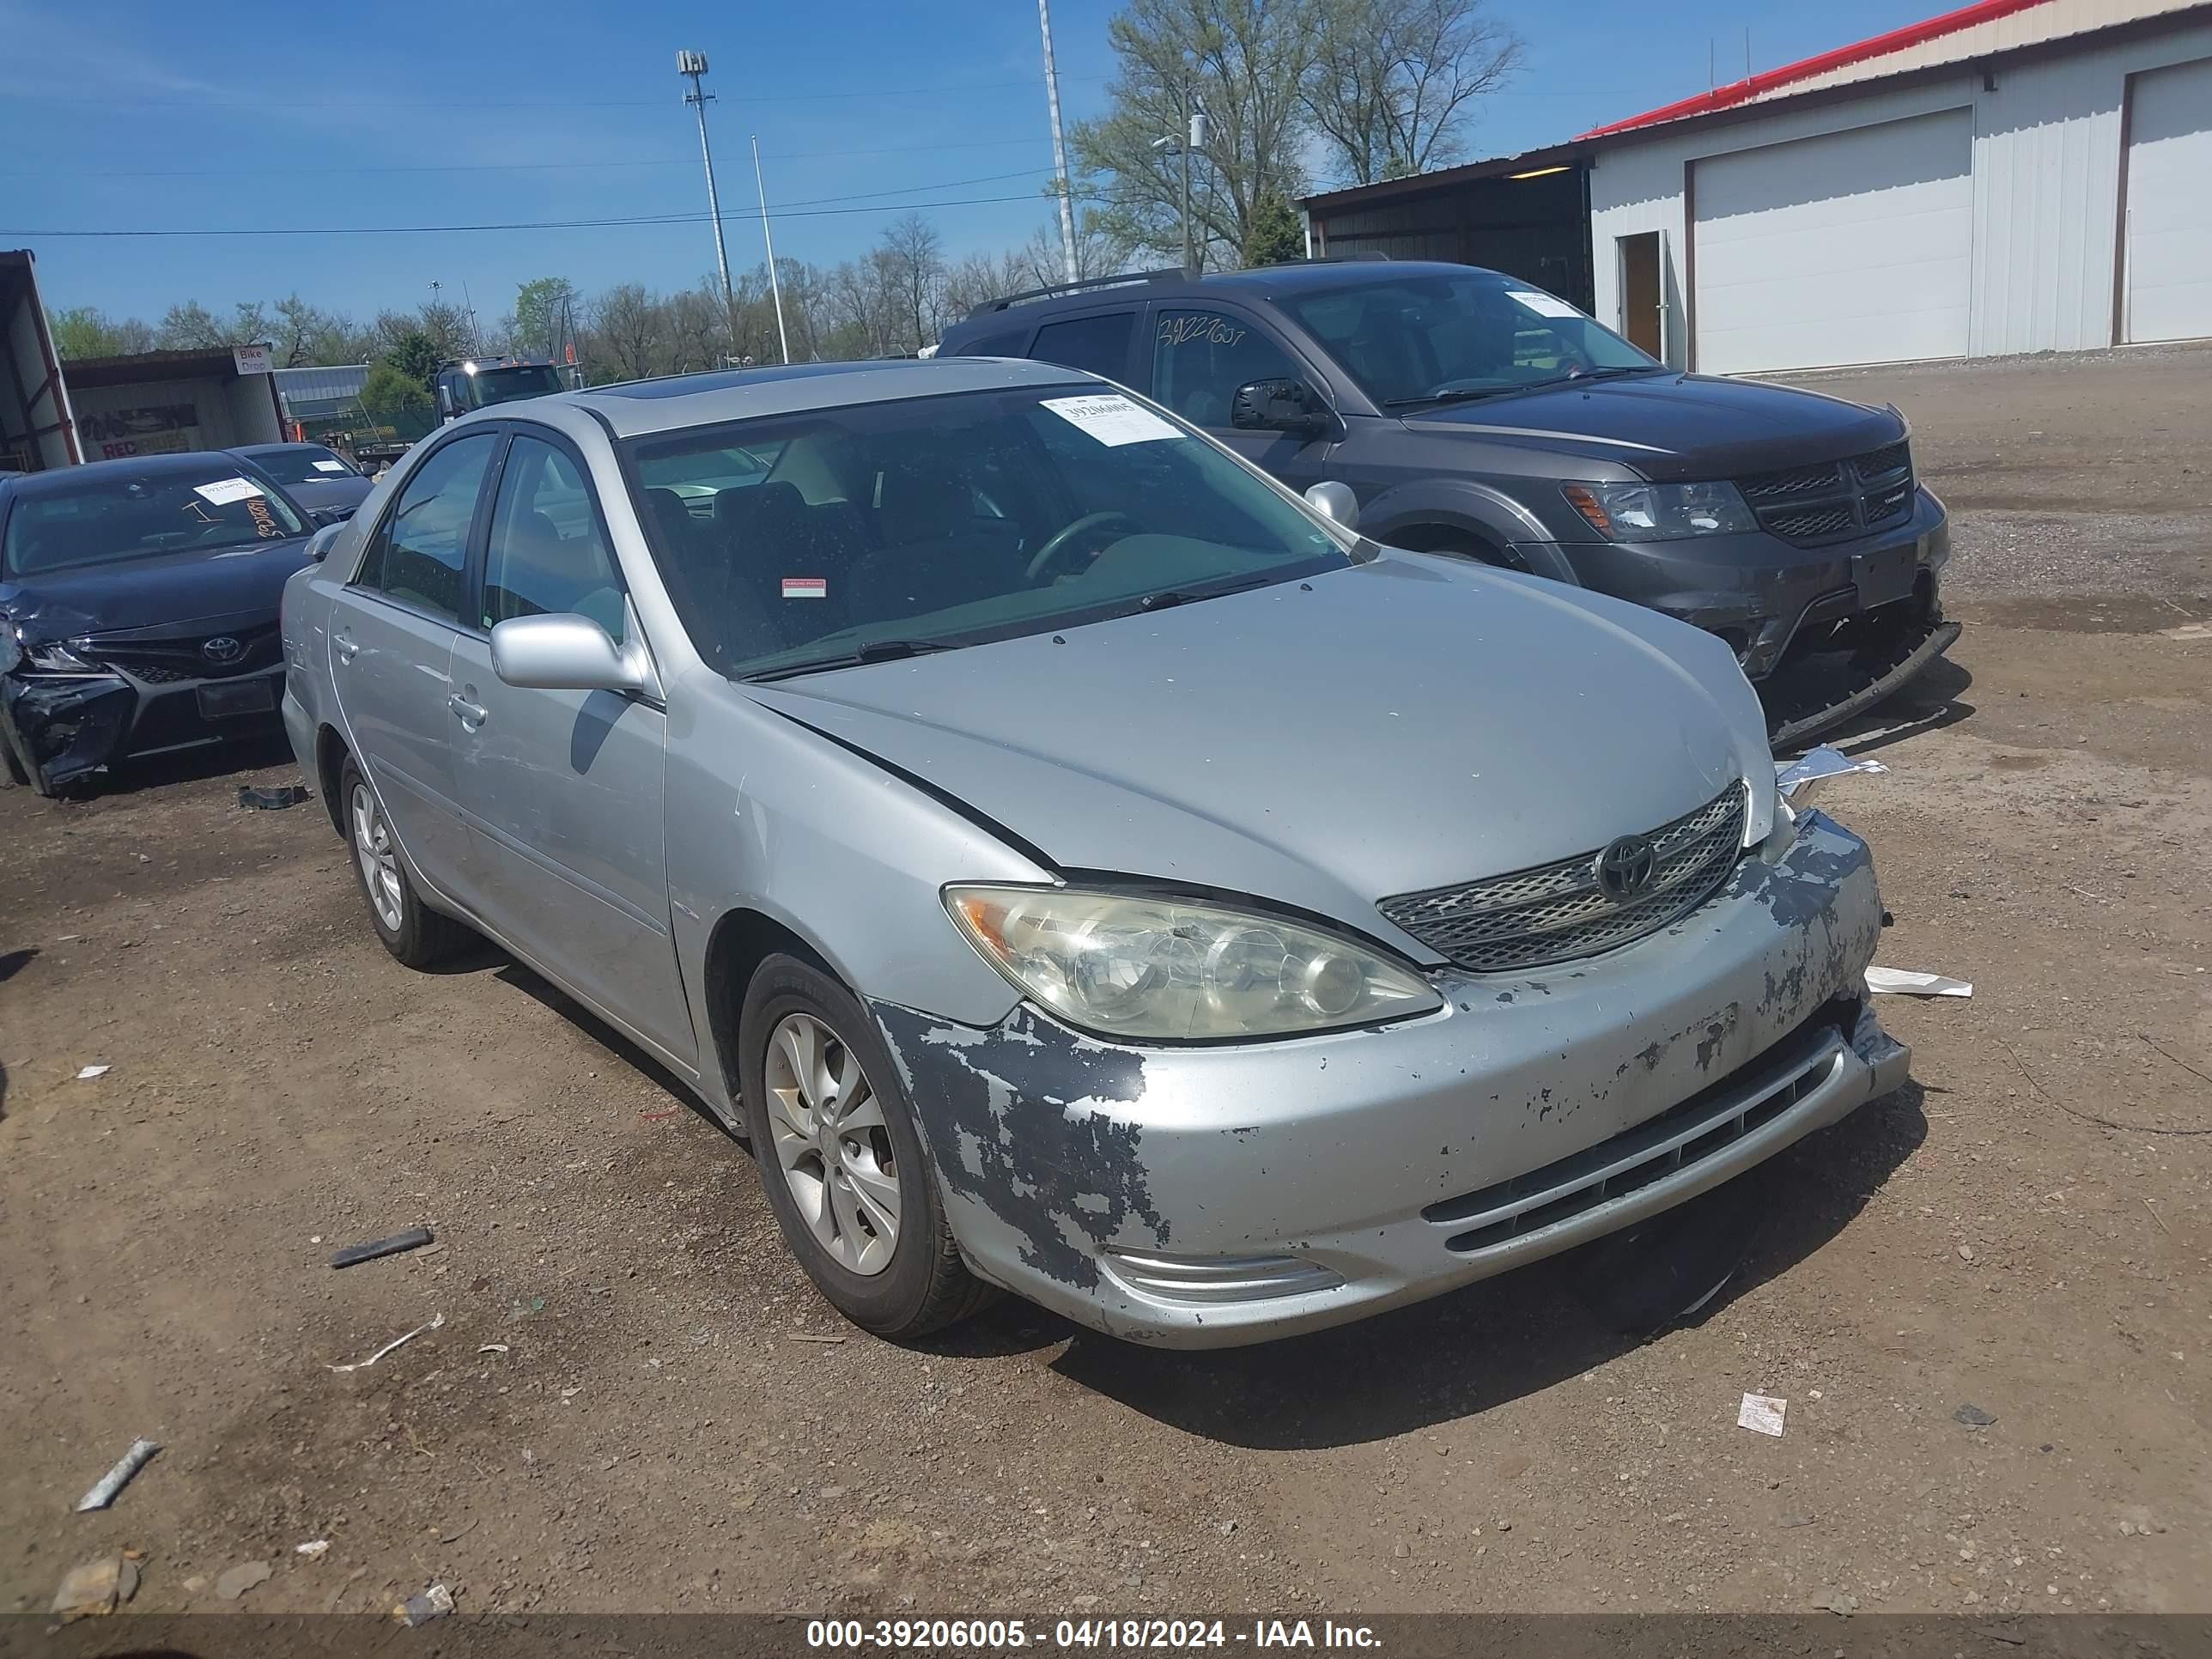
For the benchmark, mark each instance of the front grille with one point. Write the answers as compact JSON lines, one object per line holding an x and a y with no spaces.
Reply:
{"x":163,"y":660}
{"x":1829,"y":500}
{"x":1683,"y":1135}
{"x":1555,"y":912}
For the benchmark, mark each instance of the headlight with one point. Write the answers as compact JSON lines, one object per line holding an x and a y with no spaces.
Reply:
{"x":54,"y":657}
{"x":1660,"y":513}
{"x":1171,"y":969}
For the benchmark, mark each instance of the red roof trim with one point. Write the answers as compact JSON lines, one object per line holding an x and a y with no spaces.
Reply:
{"x":1982,"y":11}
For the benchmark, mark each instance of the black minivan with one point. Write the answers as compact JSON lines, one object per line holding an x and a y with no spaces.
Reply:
{"x":1471,"y":413}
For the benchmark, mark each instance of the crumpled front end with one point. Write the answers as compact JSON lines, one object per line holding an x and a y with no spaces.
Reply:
{"x":63,"y":729}
{"x":1212,"y":1195}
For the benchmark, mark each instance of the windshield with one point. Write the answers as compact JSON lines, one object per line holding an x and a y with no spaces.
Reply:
{"x":505,"y":386}
{"x":308,"y":463}
{"x":115,"y":516}
{"x":1415,"y":339}
{"x":888,"y":528}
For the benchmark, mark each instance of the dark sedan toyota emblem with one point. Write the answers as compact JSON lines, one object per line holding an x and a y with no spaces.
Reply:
{"x":1624,"y":868}
{"x":222,"y":648}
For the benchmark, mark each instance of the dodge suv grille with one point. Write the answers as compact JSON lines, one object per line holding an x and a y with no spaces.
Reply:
{"x":1832,"y":500}
{"x":1556,"y":912}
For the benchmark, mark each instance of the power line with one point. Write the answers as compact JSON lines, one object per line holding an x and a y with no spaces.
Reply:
{"x":473,"y":105}
{"x":532,"y":224}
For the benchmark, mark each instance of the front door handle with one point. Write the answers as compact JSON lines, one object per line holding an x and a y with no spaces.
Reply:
{"x":472,"y":713}
{"x":345,"y":647}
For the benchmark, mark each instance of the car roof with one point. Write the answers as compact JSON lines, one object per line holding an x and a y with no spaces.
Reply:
{"x":272,"y":449}
{"x":1259,"y":282}
{"x":683,"y":401}
{"x":54,"y":479}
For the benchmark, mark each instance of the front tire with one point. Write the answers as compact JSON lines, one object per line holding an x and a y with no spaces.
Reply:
{"x":841,"y":1160}
{"x":415,"y":934}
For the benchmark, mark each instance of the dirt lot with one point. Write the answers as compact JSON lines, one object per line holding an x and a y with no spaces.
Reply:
{"x":623,"y":1411}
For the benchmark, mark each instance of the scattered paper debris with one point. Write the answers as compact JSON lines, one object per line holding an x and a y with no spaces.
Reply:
{"x":104,"y":1489}
{"x":87,"y":1073}
{"x":1761,"y":1414}
{"x":396,"y":1342}
{"x":97,"y":1587}
{"x":1909,"y":982}
{"x":241,"y":1579}
{"x":434,"y":1603}
{"x":1825,"y":762}
{"x":313,"y":1548}
{"x":809,"y":1336}
{"x":413,"y":1239}
{"x":493,"y":1347}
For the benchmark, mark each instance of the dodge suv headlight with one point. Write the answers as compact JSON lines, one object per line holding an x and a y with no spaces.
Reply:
{"x":1163,"y":969}
{"x":1660,"y":513}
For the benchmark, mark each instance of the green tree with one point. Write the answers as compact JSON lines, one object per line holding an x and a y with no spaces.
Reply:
{"x":1246,"y":61}
{"x":392,"y":392}
{"x":1276,"y":237}
{"x":85,"y":331}
{"x":541,"y":308}
{"x":415,"y":355}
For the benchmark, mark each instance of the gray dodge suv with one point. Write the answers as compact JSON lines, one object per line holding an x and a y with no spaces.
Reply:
{"x":1473,"y":413}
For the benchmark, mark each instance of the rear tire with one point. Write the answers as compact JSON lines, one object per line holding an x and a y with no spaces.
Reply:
{"x":416,"y":935}
{"x":841,"y":1160}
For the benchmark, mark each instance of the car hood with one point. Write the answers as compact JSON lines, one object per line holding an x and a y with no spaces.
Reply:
{"x":1405,"y":724}
{"x":330,"y":492}
{"x":172,"y":588}
{"x":1674,"y":426}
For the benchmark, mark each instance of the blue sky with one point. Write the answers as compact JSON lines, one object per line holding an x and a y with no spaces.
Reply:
{"x":240,"y":114}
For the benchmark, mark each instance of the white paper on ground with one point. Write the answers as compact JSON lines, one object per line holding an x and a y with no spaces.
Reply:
{"x":1542,"y":304}
{"x":1112,"y":419}
{"x":1825,"y":761}
{"x":1910,"y":983}
{"x":91,"y":1072}
{"x":330,"y":466}
{"x":1761,"y":1414}
{"x":223,"y":491}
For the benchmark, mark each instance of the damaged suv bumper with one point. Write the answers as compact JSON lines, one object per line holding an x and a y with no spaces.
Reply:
{"x":1210,"y":1196}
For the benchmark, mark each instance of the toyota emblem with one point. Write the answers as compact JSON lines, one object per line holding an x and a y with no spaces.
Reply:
{"x":1624,"y":868}
{"x":222,"y":648}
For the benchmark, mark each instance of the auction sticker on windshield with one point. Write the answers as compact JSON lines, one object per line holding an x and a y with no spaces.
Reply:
{"x":1542,"y":304}
{"x":223,"y":491}
{"x":1114,"y":420}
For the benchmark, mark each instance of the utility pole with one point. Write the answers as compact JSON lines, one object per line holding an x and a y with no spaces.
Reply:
{"x":774,"y":282}
{"x":1062,"y":188}
{"x":693,"y":65}
{"x":1188,"y":261}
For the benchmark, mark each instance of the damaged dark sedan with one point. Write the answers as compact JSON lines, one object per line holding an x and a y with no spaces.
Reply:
{"x":138,"y":610}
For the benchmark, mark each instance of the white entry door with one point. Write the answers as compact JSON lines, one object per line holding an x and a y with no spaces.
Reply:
{"x":1852,"y":247}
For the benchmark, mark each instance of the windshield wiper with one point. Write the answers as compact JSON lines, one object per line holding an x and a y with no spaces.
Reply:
{"x":1457,"y":395}
{"x":867,"y":651}
{"x":1167,"y":598}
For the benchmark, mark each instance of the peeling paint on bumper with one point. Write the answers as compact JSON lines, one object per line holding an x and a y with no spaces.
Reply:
{"x":1380,"y":1156}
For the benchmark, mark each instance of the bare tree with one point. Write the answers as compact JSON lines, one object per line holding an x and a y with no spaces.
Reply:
{"x":626,"y":334}
{"x":910,"y":255}
{"x":1394,"y":82}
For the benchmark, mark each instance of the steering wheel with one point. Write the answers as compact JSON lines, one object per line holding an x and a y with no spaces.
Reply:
{"x":1053,"y":548}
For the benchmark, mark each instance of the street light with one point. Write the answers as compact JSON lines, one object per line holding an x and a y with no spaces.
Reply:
{"x":1200,"y":128}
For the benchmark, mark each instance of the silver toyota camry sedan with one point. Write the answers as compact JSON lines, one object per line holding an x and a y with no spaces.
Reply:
{"x":1074,"y":863}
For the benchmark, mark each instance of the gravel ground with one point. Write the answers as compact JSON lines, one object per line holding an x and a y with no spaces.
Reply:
{"x":635,"y":1401}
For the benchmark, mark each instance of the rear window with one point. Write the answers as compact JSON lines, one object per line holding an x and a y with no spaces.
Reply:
{"x":110,"y":518}
{"x":1097,"y":346}
{"x":313,"y":465}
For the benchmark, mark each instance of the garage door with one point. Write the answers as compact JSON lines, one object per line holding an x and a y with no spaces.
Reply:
{"x":2169,"y":247}
{"x":1854,"y":247}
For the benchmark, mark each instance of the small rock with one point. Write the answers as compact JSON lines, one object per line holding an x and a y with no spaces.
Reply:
{"x":1973,"y":1417}
{"x":95,"y":1588}
{"x":831,"y":1494}
{"x":2127,"y":1529}
{"x":1224,"y":1527}
{"x":434,"y":1603}
{"x":1795,"y":1520}
{"x":1965,"y":1253}
{"x":1400,"y":1550}
{"x":1503,"y":1525}
{"x":196,"y":1584}
{"x":241,"y":1579}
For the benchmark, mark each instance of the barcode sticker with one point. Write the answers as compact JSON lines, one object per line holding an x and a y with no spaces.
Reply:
{"x":805,"y":587}
{"x":223,"y":491}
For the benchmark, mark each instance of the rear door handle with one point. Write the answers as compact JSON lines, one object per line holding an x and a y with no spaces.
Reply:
{"x":344,"y":645}
{"x":472,"y":713}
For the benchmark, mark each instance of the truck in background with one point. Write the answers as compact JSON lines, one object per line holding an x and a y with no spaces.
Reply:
{"x":474,"y":383}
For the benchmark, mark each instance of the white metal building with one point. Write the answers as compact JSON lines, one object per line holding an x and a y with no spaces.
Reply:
{"x":2014,"y":176}
{"x":2019,"y":175}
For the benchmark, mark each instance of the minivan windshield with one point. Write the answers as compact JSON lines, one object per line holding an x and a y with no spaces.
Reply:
{"x":889,"y":529}
{"x":1440,"y":339}
{"x":104,"y":517}
{"x":506,"y":386}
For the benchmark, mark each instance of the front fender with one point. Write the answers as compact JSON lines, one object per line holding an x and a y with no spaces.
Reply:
{"x":1486,"y":513}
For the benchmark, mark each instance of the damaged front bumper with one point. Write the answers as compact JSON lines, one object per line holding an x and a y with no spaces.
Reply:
{"x":1210,"y":1196}
{"x":63,"y":729}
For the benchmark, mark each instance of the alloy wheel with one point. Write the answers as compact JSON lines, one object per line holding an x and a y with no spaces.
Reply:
{"x":832,"y":1145}
{"x":379,"y":861}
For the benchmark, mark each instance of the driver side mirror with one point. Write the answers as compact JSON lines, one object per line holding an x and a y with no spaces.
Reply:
{"x":446,"y":401}
{"x":564,"y":652}
{"x":1280,"y":405}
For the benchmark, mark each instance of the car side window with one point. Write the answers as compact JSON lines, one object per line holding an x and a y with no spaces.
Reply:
{"x":1201,"y":358}
{"x":546,"y":553}
{"x":1006,"y":343}
{"x":417,"y":554}
{"x":1097,"y":346}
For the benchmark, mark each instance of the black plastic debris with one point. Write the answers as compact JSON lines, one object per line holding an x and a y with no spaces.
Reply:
{"x":1973,"y":1417}
{"x":1669,"y":1269}
{"x":270,"y":800}
{"x":413,"y":1239}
